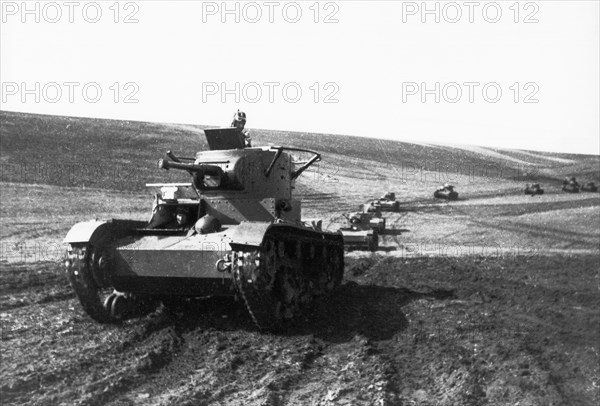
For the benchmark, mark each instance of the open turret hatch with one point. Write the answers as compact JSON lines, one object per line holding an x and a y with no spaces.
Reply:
{"x":225,"y":138}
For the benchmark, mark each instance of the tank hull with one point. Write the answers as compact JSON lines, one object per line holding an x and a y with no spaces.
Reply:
{"x":186,"y":268}
{"x":142,"y":266}
{"x":444,"y":194}
{"x":360,"y":239}
{"x":388,"y":205}
{"x":570,"y":188}
{"x":534,"y":191}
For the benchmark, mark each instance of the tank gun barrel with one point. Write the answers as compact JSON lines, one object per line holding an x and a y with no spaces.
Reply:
{"x":200,"y":169}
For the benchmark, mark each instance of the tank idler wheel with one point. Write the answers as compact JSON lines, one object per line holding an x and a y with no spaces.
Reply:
{"x":96,"y":300}
{"x":88,"y":269}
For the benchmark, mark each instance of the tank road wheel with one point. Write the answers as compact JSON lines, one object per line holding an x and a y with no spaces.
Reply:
{"x":272,"y":285}
{"x":291,"y":294}
{"x":87,"y":270}
{"x":279,"y":281}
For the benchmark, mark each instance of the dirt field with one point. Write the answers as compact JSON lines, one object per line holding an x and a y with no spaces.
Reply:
{"x":492,"y":299}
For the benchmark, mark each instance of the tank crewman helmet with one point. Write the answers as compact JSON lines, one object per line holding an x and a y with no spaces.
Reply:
{"x":181,"y":216}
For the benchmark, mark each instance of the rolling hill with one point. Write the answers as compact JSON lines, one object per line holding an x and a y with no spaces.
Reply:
{"x":106,"y":164}
{"x":121,"y":155}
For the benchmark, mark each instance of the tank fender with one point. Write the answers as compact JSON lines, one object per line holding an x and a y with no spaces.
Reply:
{"x":249,"y":233}
{"x":98,"y":232}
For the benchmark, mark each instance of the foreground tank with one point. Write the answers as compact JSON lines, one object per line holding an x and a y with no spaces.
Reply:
{"x":235,"y":230}
{"x":534,"y":189}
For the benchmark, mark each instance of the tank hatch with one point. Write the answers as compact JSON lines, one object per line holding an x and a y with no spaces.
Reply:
{"x":225,"y":138}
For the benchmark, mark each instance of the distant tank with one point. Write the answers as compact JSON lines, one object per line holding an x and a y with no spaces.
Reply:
{"x":570,"y":185}
{"x":235,"y":230}
{"x":365,"y":221}
{"x":446,"y":192}
{"x":387,"y":202}
{"x":589,"y":187}
{"x":359,"y":235}
{"x":534,"y":189}
{"x":363,"y":228}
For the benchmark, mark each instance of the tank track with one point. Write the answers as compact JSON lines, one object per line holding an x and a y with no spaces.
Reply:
{"x":90,"y":280}
{"x":280,"y":279}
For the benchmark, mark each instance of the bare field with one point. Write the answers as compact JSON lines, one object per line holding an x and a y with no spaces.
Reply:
{"x":417,"y":331}
{"x":492,"y":299}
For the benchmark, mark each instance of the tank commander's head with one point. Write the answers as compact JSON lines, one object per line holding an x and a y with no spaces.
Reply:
{"x":239,"y":120}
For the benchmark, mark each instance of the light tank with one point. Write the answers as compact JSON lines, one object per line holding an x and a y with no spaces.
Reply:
{"x":387,"y":202}
{"x":235,"y":230}
{"x":446,"y":192}
{"x":570,"y":185}
{"x":362,"y":230}
{"x":369,"y":216}
{"x":589,"y":187}
{"x":533,"y":189}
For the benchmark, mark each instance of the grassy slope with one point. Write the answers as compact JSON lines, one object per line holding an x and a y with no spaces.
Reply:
{"x":113,"y":160}
{"x":121,"y":155}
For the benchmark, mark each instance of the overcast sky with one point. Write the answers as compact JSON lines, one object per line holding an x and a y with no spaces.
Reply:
{"x":517,"y":75}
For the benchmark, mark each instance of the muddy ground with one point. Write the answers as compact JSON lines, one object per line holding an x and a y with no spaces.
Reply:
{"x":427,"y":331}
